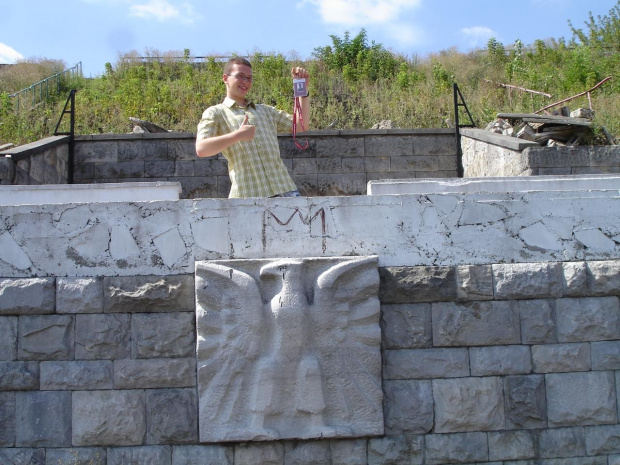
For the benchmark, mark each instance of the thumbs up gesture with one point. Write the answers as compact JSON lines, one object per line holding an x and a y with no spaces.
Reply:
{"x":246,"y":131}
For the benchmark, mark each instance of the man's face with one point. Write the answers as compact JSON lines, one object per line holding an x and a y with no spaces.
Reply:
{"x":237,"y":82}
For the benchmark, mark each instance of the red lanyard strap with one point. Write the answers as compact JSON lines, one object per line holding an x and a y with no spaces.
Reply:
{"x":297,"y":111}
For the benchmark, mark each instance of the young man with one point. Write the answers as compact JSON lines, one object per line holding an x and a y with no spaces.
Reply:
{"x":246,"y":134}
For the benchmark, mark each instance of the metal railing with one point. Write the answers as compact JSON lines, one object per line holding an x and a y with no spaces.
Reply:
{"x":460,"y":102}
{"x":40,"y":91}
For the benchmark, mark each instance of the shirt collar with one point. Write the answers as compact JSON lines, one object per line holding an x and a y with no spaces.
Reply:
{"x":231,"y":103}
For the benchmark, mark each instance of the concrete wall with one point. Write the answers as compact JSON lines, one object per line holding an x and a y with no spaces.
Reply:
{"x":335,"y":163}
{"x":500,"y":320}
{"x":488,"y":154}
{"x":42,"y":162}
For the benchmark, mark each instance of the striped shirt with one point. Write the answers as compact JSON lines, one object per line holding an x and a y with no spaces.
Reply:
{"x":255,"y":167}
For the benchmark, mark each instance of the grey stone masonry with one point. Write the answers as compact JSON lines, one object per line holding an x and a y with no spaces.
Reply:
{"x":496,"y":364}
{"x":335,"y":162}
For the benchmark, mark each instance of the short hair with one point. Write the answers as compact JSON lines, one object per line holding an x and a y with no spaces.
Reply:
{"x":236,"y":61}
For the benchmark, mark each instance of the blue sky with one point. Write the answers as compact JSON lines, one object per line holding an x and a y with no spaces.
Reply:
{"x":94,"y":32}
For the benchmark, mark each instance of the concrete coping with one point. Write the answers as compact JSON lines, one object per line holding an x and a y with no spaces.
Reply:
{"x":24,"y":151}
{"x":589,"y":182}
{"x":87,"y":193}
{"x":501,"y":140}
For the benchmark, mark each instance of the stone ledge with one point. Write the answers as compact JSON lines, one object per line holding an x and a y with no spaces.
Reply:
{"x":497,"y":139}
{"x":34,"y":148}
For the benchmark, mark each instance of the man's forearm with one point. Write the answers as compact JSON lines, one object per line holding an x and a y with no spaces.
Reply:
{"x":305,"y":112}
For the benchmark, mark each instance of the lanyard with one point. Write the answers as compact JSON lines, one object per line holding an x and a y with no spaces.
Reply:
{"x":297,"y":111}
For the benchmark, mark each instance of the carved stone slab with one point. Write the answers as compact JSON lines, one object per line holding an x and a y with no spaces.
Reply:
{"x":288,"y":349}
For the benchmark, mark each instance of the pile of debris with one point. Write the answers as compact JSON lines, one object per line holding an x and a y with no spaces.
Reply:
{"x":563,"y":128}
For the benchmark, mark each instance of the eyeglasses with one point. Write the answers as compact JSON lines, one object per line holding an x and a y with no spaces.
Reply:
{"x":241,"y":77}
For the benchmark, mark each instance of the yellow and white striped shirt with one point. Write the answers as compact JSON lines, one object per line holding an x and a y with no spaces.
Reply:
{"x":255,"y":167}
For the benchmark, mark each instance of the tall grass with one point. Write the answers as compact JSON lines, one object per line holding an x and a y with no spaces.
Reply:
{"x":172,"y":89}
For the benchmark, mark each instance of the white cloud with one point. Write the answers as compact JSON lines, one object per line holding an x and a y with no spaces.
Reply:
{"x":8,"y":54}
{"x":405,"y":34}
{"x":361,"y":12}
{"x":478,"y":36}
{"x":162,"y":10}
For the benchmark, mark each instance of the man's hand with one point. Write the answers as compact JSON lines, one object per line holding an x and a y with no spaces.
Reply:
{"x":246,"y":131}
{"x":299,"y":73}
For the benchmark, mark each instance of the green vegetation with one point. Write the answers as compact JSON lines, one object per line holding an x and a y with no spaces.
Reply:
{"x":354,"y":85}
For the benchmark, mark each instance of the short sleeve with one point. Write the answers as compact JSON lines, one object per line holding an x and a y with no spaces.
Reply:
{"x":209,"y":124}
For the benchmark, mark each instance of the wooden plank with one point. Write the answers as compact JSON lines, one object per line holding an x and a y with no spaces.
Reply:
{"x":532,"y":118}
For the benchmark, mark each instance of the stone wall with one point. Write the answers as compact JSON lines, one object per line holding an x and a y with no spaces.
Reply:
{"x":497,"y":363}
{"x":494,"y":155}
{"x":42,"y":162}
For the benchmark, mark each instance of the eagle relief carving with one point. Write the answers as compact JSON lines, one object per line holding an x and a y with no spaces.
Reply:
{"x":288,"y":348}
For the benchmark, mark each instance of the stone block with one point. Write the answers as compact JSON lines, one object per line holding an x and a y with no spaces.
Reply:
{"x":468,"y":404}
{"x":575,"y":279}
{"x":538,"y":324}
{"x":388,"y":146}
{"x":155,"y":373}
{"x":456,"y":448}
{"x":402,"y":284}
{"x":171,"y":416}
{"x":43,"y":419}
{"x":526,"y":403}
{"x":528,"y":280}
{"x":588,"y":319}
{"x":340,"y":147}
{"x":512,"y":445}
{"x":108,"y":418}
{"x":8,"y":341}
{"x":474,"y":282}
{"x":203,"y":455}
{"x":163,"y":335}
{"x":208,"y":167}
{"x":604,"y":277}
{"x":341,"y":184}
{"x":19,"y":376}
{"x":158,"y":169}
{"x":160,"y":455}
{"x":426,"y":363}
{"x":406,"y":326}
{"x":96,"y":151}
{"x":76,"y":455}
{"x":46,"y":337}
{"x":182,"y":149}
{"x":305,"y":166}
{"x":551,"y":358}
{"x":73,"y":376}
{"x":22,"y":456}
{"x":605,"y":355}
{"x":414,"y":164}
{"x":476,"y":323}
{"x":148,"y":294}
{"x":500,"y":360}
{"x":27,"y":296}
{"x":434,"y":145}
{"x":338,"y":165}
{"x":568,"y":406}
{"x":348,"y":451}
{"x":100,"y":336}
{"x":559,"y":156}
{"x":184,"y":168}
{"x":307,"y":453}
{"x":374,"y":164}
{"x":79,"y":295}
{"x":602,"y":440}
{"x":146,"y":150}
{"x":259,"y":454}
{"x":396,"y":450}
{"x":119,"y":170}
{"x":408,"y":407}
{"x":7,"y":419}
{"x":562,"y":442}
{"x":281,"y":344}
{"x":289,"y":150}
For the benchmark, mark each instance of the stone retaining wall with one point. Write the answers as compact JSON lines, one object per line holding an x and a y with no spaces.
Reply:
{"x":43,"y":162}
{"x":496,"y":363}
{"x":335,"y":163}
{"x":494,"y":155}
